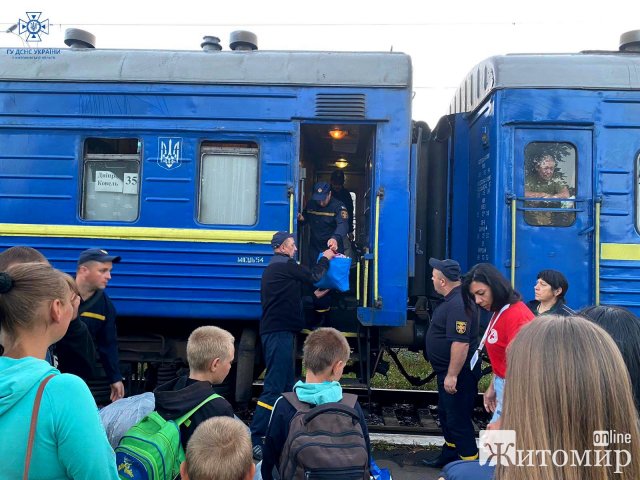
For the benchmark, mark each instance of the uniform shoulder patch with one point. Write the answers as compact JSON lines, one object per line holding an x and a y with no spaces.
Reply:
{"x":344,"y":214}
{"x":461,"y":327}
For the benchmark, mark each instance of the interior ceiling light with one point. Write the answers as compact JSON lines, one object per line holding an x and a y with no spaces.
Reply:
{"x":342,"y":163}
{"x":337,"y":133}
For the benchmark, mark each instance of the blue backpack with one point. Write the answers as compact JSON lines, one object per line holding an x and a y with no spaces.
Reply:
{"x":151,"y":449}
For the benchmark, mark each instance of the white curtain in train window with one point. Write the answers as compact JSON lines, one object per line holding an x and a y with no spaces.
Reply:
{"x":229,"y":189}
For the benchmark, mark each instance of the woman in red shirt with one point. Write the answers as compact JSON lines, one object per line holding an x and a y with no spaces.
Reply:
{"x":488,"y":288}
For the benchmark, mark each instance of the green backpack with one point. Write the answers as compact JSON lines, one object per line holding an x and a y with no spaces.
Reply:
{"x":151,"y":449}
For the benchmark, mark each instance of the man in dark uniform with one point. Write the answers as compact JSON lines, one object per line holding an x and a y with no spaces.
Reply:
{"x":451,"y":341}
{"x":328,"y":220}
{"x":98,"y":313}
{"x":339,"y":192}
{"x":282,"y":318}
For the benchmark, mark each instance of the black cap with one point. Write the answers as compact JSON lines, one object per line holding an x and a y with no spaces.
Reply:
{"x":97,"y":255}
{"x":337,"y":177}
{"x":320,"y":191}
{"x":449,"y":268}
{"x":279,"y":238}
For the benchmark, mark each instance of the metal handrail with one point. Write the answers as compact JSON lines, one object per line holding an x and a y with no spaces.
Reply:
{"x":513,"y":242}
{"x":598,"y":203}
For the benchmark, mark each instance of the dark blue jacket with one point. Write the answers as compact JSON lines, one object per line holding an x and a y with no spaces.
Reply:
{"x":99,"y":315}
{"x":327,"y":222}
{"x":281,"y":293}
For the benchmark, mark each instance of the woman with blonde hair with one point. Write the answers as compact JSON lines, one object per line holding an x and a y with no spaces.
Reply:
{"x":566,"y":384}
{"x":50,"y":423}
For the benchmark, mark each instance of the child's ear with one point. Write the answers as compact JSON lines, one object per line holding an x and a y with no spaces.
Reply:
{"x":183,"y":471}
{"x":214,"y":364}
{"x":250,"y":473}
{"x":335,"y":369}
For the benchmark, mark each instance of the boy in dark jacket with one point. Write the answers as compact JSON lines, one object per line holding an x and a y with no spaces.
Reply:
{"x":325,"y":355}
{"x":210,"y":352}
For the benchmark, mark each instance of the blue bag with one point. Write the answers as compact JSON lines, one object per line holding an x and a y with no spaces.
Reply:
{"x":378,"y":473}
{"x":337,"y":277}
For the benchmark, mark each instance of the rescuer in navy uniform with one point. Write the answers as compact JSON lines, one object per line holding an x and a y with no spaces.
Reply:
{"x":451,"y":341}
{"x":282,"y":318}
{"x":339,"y":192}
{"x":98,"y":313}
{"x":328,"y":220}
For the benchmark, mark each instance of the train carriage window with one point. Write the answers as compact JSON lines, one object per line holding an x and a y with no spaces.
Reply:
{"x":111,"y":169}
{"x":228,"y":184}
{"x":550,"y":173}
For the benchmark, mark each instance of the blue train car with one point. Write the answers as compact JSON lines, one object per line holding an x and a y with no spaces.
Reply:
{"x":186,"y":162}
{"x":577,"y":115}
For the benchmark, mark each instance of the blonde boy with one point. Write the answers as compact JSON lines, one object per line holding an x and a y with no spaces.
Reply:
{"x":210,"y":352}
{"x":219,"y":449}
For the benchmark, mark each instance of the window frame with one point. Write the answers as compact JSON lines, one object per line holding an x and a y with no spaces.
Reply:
{"x":540,"y":204}
{"x":246,"y":148}
{"x":88,"y":158}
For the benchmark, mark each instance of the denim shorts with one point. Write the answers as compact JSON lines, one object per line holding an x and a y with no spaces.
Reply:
{"x":498,"y":385}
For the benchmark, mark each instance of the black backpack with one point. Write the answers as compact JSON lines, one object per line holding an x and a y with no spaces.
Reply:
{"x":325,"y":442}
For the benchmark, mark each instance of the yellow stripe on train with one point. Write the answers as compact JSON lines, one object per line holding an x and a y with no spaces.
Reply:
{"x":136,"y":233}
{"x":620,"y":251}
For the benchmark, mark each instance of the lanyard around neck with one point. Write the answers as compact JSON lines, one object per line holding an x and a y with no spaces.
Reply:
{"x":492,"y":324}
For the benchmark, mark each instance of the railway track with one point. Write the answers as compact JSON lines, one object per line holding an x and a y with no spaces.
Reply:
{"x":408,"y":412}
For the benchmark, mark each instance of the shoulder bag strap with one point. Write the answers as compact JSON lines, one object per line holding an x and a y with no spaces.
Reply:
{"x":32,"y":428}
{"x":187,"y":415}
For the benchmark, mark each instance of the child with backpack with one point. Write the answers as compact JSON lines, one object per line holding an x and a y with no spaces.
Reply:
{"x":219,"y":449}
{"x":316,"y":432}
{"x":155,"y":446}
{"x":210,"y":352}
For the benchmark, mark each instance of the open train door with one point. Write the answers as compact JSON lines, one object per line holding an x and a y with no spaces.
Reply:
{"x":554,"y":210}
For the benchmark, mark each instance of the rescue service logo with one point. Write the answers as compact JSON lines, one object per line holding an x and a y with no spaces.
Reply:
{"x":499,"y":447}
{"x":32,"y":27}
{"x":169,"y":152}
{"x":30,"y":30}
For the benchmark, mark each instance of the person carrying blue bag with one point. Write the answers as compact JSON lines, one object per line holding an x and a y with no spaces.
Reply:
{"x":282,"y":318}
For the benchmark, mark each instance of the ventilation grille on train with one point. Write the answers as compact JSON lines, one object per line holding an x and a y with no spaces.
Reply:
{"x":340,"y":105}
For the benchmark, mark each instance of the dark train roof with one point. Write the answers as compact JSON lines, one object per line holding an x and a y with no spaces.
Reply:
{"x":589,"y":70}
{"x":199,"y":67}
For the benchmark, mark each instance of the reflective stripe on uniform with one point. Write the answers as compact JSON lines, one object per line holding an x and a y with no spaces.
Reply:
{"x":264,"y":405}
{"x":97,"y":316}
{"x":449,"y":444}
{"x":326,"y":214}
{"x":472,"y":457}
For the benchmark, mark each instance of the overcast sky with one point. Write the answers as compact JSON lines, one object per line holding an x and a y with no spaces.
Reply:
{"x":445,"y":39}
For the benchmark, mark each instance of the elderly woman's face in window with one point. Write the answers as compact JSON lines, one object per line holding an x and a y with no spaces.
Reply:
{"x":546,"y":167}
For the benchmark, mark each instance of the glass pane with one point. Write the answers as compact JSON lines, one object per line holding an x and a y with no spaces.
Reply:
{"x":550,"y":173}
{"x":111,"y":189}
{"x":229,"y":186}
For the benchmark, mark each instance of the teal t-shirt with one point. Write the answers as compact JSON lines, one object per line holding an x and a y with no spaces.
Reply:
{"x":70,"y":442}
